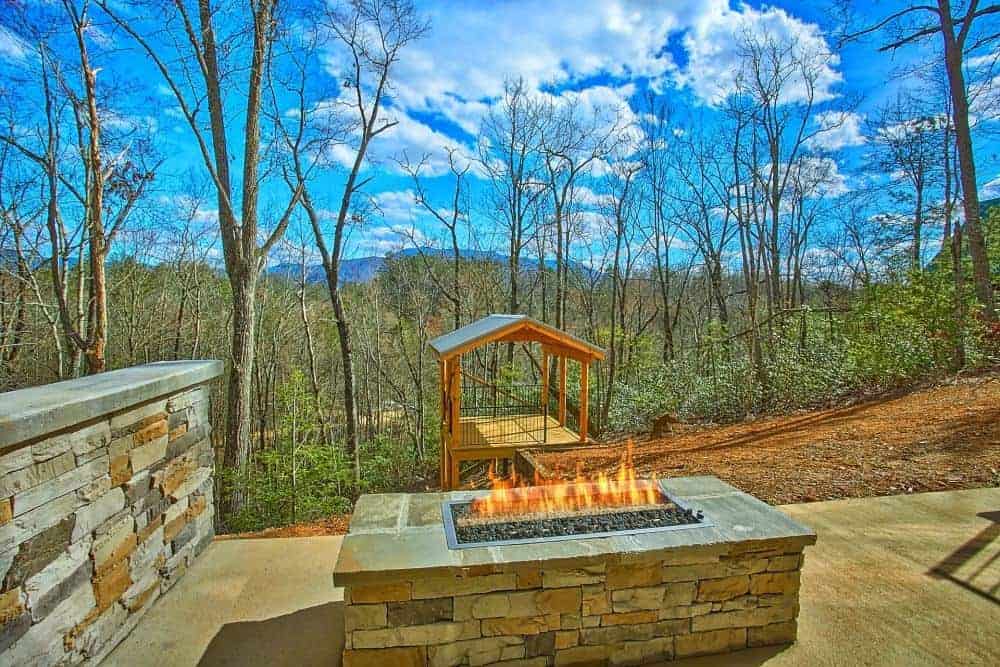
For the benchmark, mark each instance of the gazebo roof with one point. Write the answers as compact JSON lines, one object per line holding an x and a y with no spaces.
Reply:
{"x":513,"y":328}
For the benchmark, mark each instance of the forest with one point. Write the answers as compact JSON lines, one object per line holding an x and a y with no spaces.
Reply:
{"x":723,"y":257}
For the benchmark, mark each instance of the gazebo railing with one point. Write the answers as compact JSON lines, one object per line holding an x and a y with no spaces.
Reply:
{"x":505,"y":413}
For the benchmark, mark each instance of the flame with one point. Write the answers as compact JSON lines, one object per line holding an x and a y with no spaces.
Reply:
{"x":513,"y":496}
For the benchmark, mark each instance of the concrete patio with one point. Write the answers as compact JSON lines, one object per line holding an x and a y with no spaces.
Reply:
{"x":901,"y":580}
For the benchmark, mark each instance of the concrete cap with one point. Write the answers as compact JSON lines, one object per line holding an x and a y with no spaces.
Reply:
{"x":28,"y":414}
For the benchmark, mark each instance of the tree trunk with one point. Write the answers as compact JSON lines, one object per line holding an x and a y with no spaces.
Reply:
{"x":238,"y":398}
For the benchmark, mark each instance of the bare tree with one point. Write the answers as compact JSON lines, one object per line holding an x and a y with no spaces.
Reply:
{"x":964,"y":31}
{"x":182,"y":42}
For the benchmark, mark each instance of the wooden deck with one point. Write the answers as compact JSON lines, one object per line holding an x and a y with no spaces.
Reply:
{"x":513,"y":432}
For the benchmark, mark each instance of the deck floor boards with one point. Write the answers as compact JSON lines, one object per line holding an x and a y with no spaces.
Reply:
{"x":515,"y":430}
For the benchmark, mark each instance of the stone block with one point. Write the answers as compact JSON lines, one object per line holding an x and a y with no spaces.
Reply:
{"x":43,"y":643}
{"x":364,"y":616}
{"x":775,"y":633}
{"x":633,"y":575}
{"x":583,"y":655}
{"x":36,"y":473}
{"x":188,"y":533}
{"x":529,"y":577}
{"x":137,"y":418}
{"x":89,"y":517}
{"x":36,"y":553}
{"x":192,"y":483}
{"x":392,"y":592}
{"x":116,"y":544}
{"x":187,"y":399}
{"x":484,"y":651}
{"x":727,"y":588}
{"x":544,"y":643}
{"x":47,"y":589}
{"x":743,"y":619}
{"x":704,"y":643}
{"x":144,"y":456}
{"x":526,"y":625}
{"x":184,"y":442}
{"x":490,"y":605}
{"x":408,"y":656}
{"x":59,"y":485}
{"x":651,"y":651}
{"x":94,"y":490}
{"x":11,"y":605}
{"x":637,"y":599}
{"x":585,"y":574}
{"x":784,"y":563}
{"x":421,"y":612}
{"x":596,"y":600}
{"x":30,"y":524}
{"x":567,"y":638}
{"x":121,"y":470}
{"x":437,"y":587}
{"x":6,"y":512}
{"x":630,"y":618}
{"x":774,"y":583}
{"x":685,"y":611}
{"x":416,"y":635}
{"x":14,"y":628}
{"x":120,"y":446}
{"x":111,"y":584}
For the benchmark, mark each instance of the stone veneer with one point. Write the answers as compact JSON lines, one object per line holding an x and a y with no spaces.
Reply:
{"x":105,"y":499}
{"x":623,"y":600}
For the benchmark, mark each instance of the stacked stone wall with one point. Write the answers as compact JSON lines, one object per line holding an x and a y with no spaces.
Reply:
{"x":96,"y":522}
{"x":610,"y":611}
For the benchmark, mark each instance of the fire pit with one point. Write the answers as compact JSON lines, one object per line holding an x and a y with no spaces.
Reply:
{"x":605,"y":571}
{"x":513,"y":513}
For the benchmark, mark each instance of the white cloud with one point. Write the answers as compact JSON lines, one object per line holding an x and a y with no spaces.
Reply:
{"x":472,"y":47}
{"x":836,"y":130}
{"x":991,"y":189}
{"x":396,"y":206}
{"x":716,"y":59}
{"x":12,"y":47}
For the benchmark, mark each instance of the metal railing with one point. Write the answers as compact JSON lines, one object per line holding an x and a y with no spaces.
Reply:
{"x":506,"y":413}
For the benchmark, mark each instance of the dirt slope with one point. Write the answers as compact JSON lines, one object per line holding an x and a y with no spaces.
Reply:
{"x":946,"y":437}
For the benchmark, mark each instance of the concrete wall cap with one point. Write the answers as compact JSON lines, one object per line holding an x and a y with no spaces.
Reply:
{"x":28,"y":414}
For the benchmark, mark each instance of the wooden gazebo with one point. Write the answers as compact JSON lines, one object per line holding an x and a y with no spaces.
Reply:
{"x":498,"y":419}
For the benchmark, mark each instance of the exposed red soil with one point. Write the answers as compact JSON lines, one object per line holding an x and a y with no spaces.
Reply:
{"x":942,"y":438}
{"x":945,"y":437}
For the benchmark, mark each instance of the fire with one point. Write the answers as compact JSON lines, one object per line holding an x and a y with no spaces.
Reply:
{"x":514,"y":496}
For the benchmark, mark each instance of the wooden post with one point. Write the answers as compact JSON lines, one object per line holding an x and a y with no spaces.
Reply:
{"x":545,"y":381}
{"x":445,"y":422}
{"x":455,"y":392}
{"x":584,"y":398}
{"x":562,"y":391}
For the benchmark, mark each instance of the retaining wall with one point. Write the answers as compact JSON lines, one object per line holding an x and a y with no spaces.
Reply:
{"x":106,"y":497}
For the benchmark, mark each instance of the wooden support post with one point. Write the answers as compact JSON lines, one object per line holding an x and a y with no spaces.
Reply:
{"x":545,"y":381}
{"x":584,"y":399}
{"x":562,"y":391}
{"x":445,"y":422}
{"x":455,"y":395}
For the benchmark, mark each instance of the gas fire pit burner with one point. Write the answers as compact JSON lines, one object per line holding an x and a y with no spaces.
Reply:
{"x":465,"y":529}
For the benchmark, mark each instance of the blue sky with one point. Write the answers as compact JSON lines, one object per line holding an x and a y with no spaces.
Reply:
{"x":606,"y":51}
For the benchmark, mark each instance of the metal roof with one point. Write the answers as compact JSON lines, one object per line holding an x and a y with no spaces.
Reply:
{"x":494,"y":326}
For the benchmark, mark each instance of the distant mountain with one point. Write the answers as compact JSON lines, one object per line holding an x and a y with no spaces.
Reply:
{"x":364,"y":269}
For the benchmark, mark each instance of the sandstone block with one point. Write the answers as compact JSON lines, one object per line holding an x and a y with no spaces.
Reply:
{"x":585,"y":574}
{"x":784,"y":563}
{"x":567,"y":638}
{"x":43,"y":642}
{"x":36,"y":473}
{"x":89,"y":517}
{"x":742,"y":619}
{"x":47,"y":589}
{"x":116,"y":544}
{"x":437,"y":587}
{"x":630,"y":618}
{"x":527,"y":625}
{"x":583,"y":655}
{"x":420,"y":612}
{"x":187,"y":399}
{"x":364,"y":616}
{"x":727,"y":588}
{"x":192,"y":483}
{"x":6,"y":511}
{"x":143,"y":456}
{"x":36,"y":553}
{"x":654,"y":650}
{"x":121,"y":470}
{"x":685,"y":611}
{"x":775,"y":633}
{"x":111,"y":584}
{"x":394,"y":592}
{"x":596,"y":600}
{"x":636,"y":599}
{"x":490,"y":605}
{"x":11,"y":605}
{"x":634,"y":575}
{"x":529,"y":578}
{"x":410,"y":656}
{"x":774,"y":583}
{"x":59,"y":485}
{"x":484,"y":651}
{"x":702,"y":643}
{"x":544,"y":643}
{"x":417,"y":635}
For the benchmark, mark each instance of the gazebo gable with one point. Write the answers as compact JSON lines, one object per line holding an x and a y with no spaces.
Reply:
{"x":514,"y":329}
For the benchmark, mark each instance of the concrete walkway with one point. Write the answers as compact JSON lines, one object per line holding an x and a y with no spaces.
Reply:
{"x":903,"y":580}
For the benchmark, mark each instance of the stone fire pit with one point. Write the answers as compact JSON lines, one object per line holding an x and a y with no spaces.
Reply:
{"x":625,"y":599}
